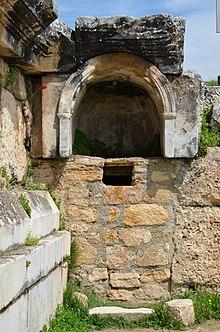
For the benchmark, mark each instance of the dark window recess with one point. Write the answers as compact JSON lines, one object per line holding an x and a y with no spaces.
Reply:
{"x":117,"y":175}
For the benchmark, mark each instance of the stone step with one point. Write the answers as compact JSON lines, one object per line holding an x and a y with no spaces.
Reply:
{"x":34,"y":308}
{"x":130,"y":314}
{"x":26,"y":266}
{"x":15,"y":224}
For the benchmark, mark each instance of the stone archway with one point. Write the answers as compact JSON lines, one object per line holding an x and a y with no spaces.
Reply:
{"x":118,"y":67}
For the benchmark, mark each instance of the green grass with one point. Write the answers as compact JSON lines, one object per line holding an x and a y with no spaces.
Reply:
{"x":206,"y":304}
{"x":73,"y":317}
{"x":212,"y":83}
{"x":208,"y":137}
{"x":31,"y":240}
{"x":25,"y":204}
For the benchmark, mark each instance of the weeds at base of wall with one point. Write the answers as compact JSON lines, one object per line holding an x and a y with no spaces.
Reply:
{"x":73,"y":317}
{"x":25,"y":204}
{"x":72,"y":258}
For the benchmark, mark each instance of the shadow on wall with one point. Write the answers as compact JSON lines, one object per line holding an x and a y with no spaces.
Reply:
{"x":117,"y":119}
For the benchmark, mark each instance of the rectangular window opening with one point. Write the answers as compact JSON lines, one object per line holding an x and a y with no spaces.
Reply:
{"x":118,"y":175}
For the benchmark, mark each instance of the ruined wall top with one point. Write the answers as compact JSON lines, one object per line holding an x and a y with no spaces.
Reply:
{"x":39,"y":46}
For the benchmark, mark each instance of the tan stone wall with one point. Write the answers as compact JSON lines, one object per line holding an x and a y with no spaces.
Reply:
{"x":138,"y":243}
{"x":15,"y":118}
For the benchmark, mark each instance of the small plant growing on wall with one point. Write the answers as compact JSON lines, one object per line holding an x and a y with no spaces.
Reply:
{"x":25,"y":204}
{"x":31,"y":240}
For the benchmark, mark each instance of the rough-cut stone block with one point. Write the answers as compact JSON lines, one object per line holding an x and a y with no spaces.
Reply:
{"x":12,"y":278}
{"x":196,"y":259}
{"x":134,"y":236}
{"x":116,"y":257}
{"x":130,"y":314}
{"x":82,"y":298}
{"x":120,"y":295}
{"x":86,"y":214}
{"x":158,"y":38}
{"x":145,"y":214}
{"x":159,"y":176}
{"x":155,"y":255}
{"x":155,"y":276}
{"x":152,"y":292}
{"x":182,"y":310}
{"x":121,"y":195}
{"x":111,"y":236}
{"x":87,"y":252}
{"x":113,"y":214}
{"x":125,"y":280}
{"x":98,"y":274}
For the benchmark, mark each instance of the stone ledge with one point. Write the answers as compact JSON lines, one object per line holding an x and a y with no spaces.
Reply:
{"x":15,"y":224}
{"x":44,"y":297}
{"x":26,"y":266}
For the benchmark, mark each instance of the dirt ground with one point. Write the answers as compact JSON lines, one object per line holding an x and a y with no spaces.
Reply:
{"x":211,"y":326}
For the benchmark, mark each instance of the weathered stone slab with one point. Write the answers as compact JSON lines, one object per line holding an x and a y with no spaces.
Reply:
{"x":15,"y":224}
{"x":158,"y":38}
{"x":182,"y":310}
{"x":26,"y":266}
{"x":130,"y":314}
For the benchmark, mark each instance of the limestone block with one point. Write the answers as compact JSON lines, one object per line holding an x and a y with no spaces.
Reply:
{"x":159,"y":38}
{"x":196,"y":258}
{"x":50,"y":98}
{"x":204,"y":189}
{"x":12,"y":135}
{"x":15,"y":224}
{"x":188,"y":88}
{"x":111,"y":236}
{"x":14,"y":318}
{"x":182,"y":310}
{"x":82,"y":298}
{"x":46,"y":256}
{"x":154,"y":255}
{"x":152,"y":292}
{"x":87,"y":252}
{"x":134,"y":237}
{"x":155,"y":276}
{"x":86,"y":214}
{"x":120,"y":295}
{"x":18,"y":87}
{"x":145,"y":214}
{"x":130,"y":314}
{"x":98,"y":274}
{"x":113,"y":214}
{"x":159,"y":176}
{"x":121,"y":195}
{"x":12,"y":278}
{"x":125,"y":280}
{"x":44,"y":298}
{"x":116,"y":257}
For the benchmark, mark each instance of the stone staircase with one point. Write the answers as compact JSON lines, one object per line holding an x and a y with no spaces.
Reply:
{"x":32,"y":278}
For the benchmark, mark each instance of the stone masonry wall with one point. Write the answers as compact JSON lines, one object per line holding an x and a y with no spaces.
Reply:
{"x":138,"y":243}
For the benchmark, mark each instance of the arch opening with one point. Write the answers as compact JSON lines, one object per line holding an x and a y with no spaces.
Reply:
{"x":117,"y":119}
{"x":121,"y":105}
